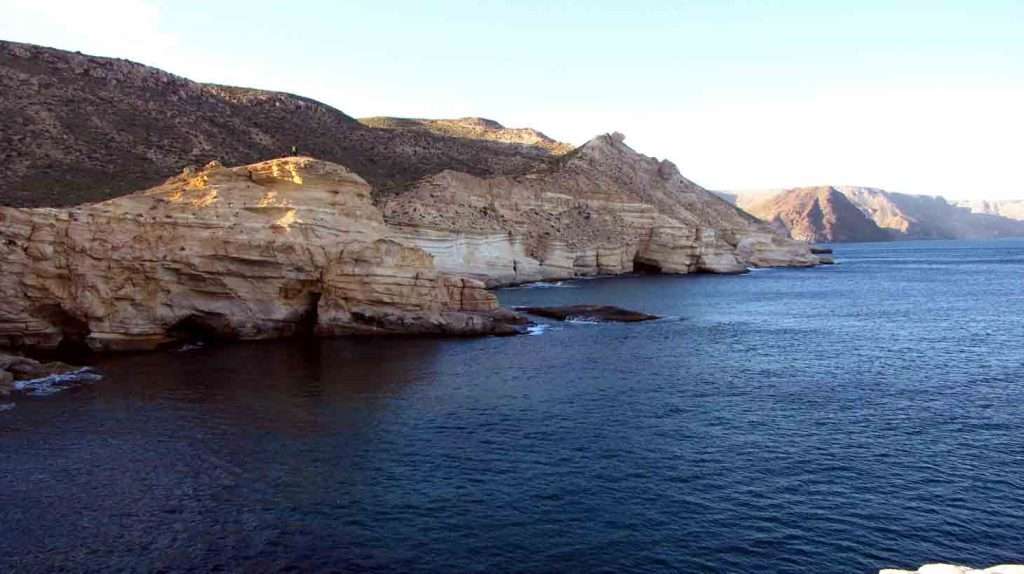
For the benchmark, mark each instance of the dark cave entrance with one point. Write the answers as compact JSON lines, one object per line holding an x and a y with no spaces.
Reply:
{"x":645,"y":268}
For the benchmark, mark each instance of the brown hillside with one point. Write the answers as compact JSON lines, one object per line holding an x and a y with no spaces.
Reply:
{"x":80,"y":128}
{"x":817,"y":214}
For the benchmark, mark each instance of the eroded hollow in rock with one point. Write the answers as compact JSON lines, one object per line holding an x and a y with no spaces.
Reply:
{"x":306,"y":326}
{"x":202,"y":329}
{"x":645,"y":268}
{"x":74,"y":331}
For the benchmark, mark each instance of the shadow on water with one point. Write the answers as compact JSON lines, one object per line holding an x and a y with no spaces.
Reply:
{"x":841,"y":419}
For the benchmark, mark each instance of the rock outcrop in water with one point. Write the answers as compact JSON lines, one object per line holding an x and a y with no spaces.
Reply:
{"x":595,"y":313}
{"x":954,"y":569}
{"x":18,"y":368}
{"x":266,"y":250}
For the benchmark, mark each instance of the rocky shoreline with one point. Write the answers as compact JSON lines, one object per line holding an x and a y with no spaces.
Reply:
{"x":400,"y":226}
{"x":300,"y":246}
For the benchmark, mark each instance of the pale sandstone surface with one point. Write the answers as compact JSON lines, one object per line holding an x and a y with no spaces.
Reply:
{"x":297,"y":245}
{"x":603,"y":209}
{"x":954,"y":569}
{"x":258,"y":251}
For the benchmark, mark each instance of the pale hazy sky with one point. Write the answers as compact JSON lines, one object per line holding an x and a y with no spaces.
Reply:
{"x":920,"y":97}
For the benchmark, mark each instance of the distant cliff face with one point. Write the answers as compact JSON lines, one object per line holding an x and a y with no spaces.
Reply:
{"x":818,"y":214}
{"x":1010,"y":209}
{"x":79,"y":128}
{"x":878,"y":215}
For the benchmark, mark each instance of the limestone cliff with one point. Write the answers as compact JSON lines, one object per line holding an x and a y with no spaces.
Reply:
{"x":447,"y":208}
{"x":265,"y":250}
{"x":602,"y":209}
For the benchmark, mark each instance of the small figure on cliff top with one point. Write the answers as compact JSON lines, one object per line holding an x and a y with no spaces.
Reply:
{"x":295,"y":151}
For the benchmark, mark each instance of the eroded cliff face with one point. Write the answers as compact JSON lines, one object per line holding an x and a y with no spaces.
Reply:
{"x":266,"y":250}
{"x":297,"y":245}
{"x":603,"y":209}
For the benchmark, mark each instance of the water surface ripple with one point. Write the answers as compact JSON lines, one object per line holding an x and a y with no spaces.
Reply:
{"x":837,"y":419}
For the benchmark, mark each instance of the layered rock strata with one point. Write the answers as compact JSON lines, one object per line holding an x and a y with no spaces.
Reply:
{"x":603,"y":209}
{"x":272,"y":249}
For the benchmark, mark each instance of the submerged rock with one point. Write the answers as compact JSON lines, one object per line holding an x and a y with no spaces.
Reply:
{"x":19,"y":368}
{"x":18,"y":373}
{"x":598,"y":313}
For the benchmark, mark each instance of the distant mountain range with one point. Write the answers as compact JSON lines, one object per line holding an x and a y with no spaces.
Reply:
{"x":844,"y":213}
{"x":1013,"y":209}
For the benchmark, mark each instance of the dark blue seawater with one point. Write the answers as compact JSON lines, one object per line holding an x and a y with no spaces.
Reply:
{"x":839,"y":419}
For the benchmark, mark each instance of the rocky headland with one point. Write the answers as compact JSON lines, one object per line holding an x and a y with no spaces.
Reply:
{"x":398,"y":226}
{"x":265,"y":250}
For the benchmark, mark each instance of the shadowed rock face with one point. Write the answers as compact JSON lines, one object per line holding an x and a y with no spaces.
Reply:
{"x":266,"y":250}
{"x":598,"y":313}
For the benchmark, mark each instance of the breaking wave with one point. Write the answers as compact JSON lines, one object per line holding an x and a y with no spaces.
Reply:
{"x":57,"y":383}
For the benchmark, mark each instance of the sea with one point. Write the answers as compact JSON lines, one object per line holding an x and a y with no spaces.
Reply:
{"x":843,"y":419}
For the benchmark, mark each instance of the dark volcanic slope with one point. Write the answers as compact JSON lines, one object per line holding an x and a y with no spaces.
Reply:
{"x":77,"y":128}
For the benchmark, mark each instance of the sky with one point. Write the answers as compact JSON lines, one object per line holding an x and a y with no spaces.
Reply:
{"x":923,"y":97}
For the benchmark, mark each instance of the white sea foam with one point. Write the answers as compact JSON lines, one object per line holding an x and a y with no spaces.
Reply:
{"x":191,"y":347}
{"x":583,"y":321}
{"x":537,"y":329}
{"x":6,"y":407}
{"x":56,"y":383}
{"x":545,"y":285}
